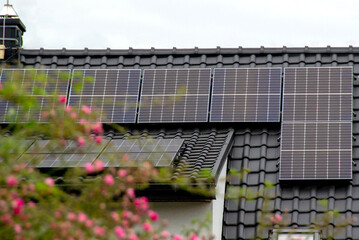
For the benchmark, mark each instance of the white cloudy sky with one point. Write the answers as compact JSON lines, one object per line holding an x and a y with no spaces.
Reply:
{"x":188,"y":23}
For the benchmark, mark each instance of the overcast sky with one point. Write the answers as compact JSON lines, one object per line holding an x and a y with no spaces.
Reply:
{"x":119,"y":24}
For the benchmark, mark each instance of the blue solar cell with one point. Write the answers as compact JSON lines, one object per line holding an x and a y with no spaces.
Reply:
{"x":175,"y":95}
{"x":44,"y":85}
{"x":316,"y":140}
{"x":246,"y":95}
{"x":113,"y":93}
{"x":159,"y":151}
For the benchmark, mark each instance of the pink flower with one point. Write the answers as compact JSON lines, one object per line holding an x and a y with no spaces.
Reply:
{"x":62,"y":99}
{"x":165,"y":234}
{"x":68,"y":109}
{"x":82,"y":217}
{"x":193,"y":237}
{"x":135,"y":219}
{"x":278,"y":217}
{"x":18,"y":205}
{"x":81,"y":141}
{"x":97,"y":128}
{"x":1,"y":87}
{"x":152,"y":215}
{"x":131,"y":192}
{"x":73,"y":115}
{"x":86,"y":109}
{"x":89,"y":168}
{"x":89,"y":223}
{"x":31,"y":204}
{"x":141,"y":204}
{"x":49,"y":181}
{"x":127,"y":214}
{"x":6,"y":218}
{"x":99,"y":165}
{"x":115,"y":216}
{"x":99,"y":231}
{"x":147,"y":227}
{"x":177,"y":237}
{"x":98,"y":139}
{"x":133,"y":237}
{"x":125,"y":223}
{"x":109,"y":180}
{"x":119,"y":232}
{"x":125,"y":157}
{"x":122,"y":173}
{"x":17,"y":228}
{"x":18,"y":202}
{"x":58,"y":214}
{"x":44,"y":114}
{"x":11,"y":181}
{"x":83,"y":121}
{"x":71,"y":216}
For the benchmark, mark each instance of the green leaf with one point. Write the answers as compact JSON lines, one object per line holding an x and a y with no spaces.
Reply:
{"x":78,"y":87}
{"x":41,"y":186}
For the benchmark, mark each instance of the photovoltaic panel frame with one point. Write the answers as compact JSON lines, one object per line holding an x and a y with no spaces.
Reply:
{"x":175,"y":95}
{"x":316,"y":141}
{"x":160,"y":151}
{"x":113,"y":93}
{"x":246,"y":95}
{"x":42,"y":84}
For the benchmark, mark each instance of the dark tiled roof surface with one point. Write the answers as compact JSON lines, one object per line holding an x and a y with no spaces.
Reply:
{"x":192,"y":58}
{"x":255,"y":147}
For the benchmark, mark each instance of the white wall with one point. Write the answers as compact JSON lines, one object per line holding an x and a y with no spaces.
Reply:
{"x":180,"y":214}
{"x":218,"y":204}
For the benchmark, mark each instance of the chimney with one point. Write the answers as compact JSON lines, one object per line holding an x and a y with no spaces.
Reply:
{"x":11,"y":31}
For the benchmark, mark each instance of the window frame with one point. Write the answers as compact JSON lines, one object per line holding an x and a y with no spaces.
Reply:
{"x":275,"y":233}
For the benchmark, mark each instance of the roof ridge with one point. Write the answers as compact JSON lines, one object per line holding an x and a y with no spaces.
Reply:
{"x":194,"y":50}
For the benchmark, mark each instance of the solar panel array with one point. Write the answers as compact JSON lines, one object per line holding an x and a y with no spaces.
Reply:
{"x":175,"y":95}
{"x":316,"y":140}
{"x":316,"y":114}
{"x":41,"y":84}
{"x":48,"y":154}
{"x":112,"y":92}
{"x":160,"y":151}
{"x":246,"y":95}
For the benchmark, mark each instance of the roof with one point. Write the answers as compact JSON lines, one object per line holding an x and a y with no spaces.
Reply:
{"x":203,"y":152}
{"x":255,"y":146}
{"x":203,"y":148}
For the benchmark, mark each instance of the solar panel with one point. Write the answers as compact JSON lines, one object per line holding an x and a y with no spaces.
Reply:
{"x":42,"y":84}
{"x":175,"y":95}
{"x":316,"y":140}
{"x":160,"y":151}
{"x":48,"y":154}
{"x":113,"y":93}
{"x":246,"y":95}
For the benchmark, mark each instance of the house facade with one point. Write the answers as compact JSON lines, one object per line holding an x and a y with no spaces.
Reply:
{"x":222,"y":146}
